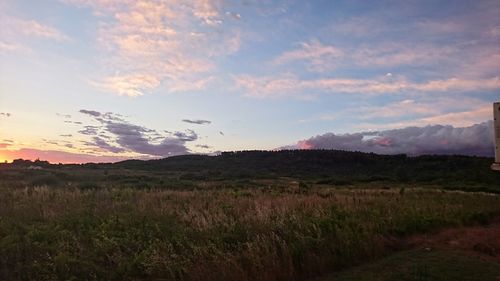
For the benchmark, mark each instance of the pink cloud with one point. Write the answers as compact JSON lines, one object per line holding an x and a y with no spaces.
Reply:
{"x":129,"y":85}
{"x":303,"y":144}
{"x":437,"y":139}
{"x":168,"y":44}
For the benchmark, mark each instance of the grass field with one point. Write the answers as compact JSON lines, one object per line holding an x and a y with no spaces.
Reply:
{"x":286,"y":232}
{"x":468,"y":253}
{"x":423,"y":265}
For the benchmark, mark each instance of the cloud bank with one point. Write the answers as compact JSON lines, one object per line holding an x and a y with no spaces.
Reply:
{"x":437,"y":139}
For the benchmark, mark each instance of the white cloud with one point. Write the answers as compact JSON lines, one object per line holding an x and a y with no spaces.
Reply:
{"x":289,"y":85}
{"x":129,"y":85}
{"x":398,"y":109}
{"x":14,"y":27}
{"x":458,"y":118}
{"x":13,"y":47}
{"x":319,"y":57}
{"x":397,"y":54}
{"x":34,"y":28}
{"x":16,"y":34}
{"x":464,"y":118}
{"x":207,"y":11}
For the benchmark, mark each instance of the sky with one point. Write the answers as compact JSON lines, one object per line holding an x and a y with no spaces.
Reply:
{"x":108,"y":80}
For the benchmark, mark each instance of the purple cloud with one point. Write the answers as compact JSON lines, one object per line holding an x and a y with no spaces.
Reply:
{"x":203,"y":146}
{"x":436,"y":139}
{"x":197,"y":121}
{"x":90,"y":112}
{"x":89,"y":130}
{"x":189,"y":136}
{"x":125,"y":136}
{"x":101,"y":143}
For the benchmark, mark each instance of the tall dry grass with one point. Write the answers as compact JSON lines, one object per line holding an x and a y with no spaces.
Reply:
{"x":126,"y":234}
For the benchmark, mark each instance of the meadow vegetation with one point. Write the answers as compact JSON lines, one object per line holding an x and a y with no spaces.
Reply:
{"x":422,"y":265}
{"x":110,"y":222}
{"x":128,"y":234}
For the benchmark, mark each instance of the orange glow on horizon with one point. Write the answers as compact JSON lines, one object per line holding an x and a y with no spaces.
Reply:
{"x":4,"y":159}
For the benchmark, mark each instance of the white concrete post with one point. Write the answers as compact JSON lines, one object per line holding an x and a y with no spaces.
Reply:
{"x":496,"y":129}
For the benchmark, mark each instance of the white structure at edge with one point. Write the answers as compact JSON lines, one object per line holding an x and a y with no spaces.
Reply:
{"x":496,"y":129}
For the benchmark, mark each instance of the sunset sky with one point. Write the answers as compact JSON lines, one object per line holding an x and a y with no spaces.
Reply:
{"x":107,"y":80}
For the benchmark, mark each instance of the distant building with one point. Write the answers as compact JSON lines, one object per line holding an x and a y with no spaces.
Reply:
{"x":34,"y":168}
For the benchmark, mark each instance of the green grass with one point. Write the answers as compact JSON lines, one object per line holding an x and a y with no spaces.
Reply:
{"x":294,"y":233}
{"x":422,"y":265}
{"x":286,"y":215}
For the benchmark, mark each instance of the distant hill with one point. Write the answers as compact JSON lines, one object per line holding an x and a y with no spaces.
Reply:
{"x":328,"y":165}
{"x":332,"y":167}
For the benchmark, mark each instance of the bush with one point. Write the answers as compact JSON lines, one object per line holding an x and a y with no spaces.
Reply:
{"x":45,"y":180}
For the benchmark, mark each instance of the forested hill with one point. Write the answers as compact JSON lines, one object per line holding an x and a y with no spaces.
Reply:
{"x":329,"y":165}
{"x":314,"y":166}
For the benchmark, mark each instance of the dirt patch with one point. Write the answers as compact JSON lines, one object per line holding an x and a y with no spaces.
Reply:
{"x":480,"y":241}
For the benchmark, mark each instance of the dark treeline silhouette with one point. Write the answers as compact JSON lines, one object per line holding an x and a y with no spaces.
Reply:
{"x":27,"y":163}
{"x":316,"y":166}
